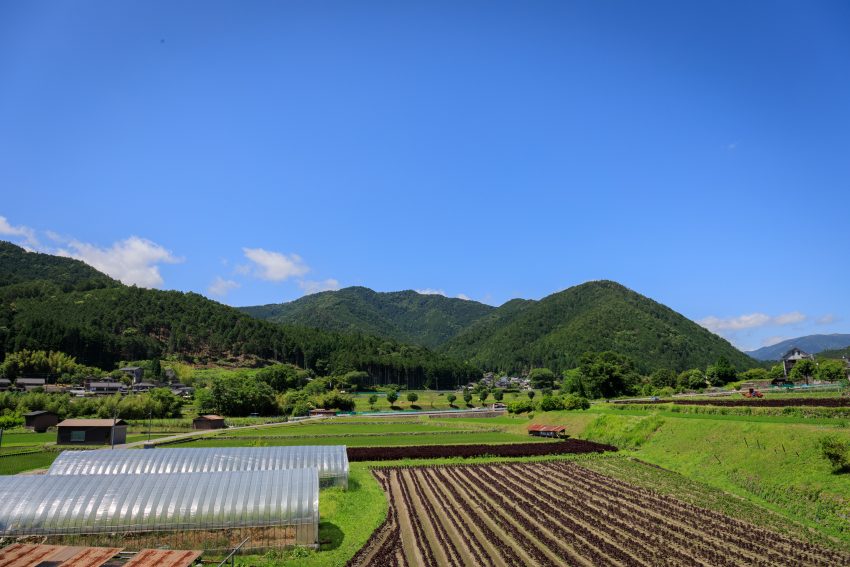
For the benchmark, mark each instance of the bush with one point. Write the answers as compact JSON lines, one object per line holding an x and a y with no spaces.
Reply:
{"x":451,"y":399}
{"x":521,"y":406}
{"x":551,"y":403}
{"x":335,"y":400}
{"x":837,"y":452}
{"x":412,"y":397}
{"x":574,"y":402}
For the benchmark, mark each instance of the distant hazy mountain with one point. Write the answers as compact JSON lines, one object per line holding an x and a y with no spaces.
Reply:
{"x":812,"y":344}
{"x":425,"y":319}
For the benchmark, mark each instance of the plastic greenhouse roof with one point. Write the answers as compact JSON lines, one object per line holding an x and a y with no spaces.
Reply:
{"x":330,"y":460}
{"x":40,"y":505}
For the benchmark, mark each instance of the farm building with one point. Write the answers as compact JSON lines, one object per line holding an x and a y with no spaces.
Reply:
{"x":208,"y":422}
{"x":547,"y":430}
{"x":792,"y":357}
{"x":40,"y":420}
{"x":5,"y":384}
{"x":30,"y":384}
{"x":320,"y":412}
{"x":330,"y":460}
{"x":274,"y":508}
{"x":91,"y":432}
{"x":107,"y":388}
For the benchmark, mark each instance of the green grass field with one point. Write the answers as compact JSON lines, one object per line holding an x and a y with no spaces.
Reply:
{"x":386,"y":440}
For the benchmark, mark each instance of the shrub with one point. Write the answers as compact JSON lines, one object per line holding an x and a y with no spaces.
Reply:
{"x":451,"y":398}
{"x":412,"y":397}
{"x":574,"y":402}
{"x":521,"y":406}
{"x":551,"y":403}
{"x":837,"y":452}
{"x":392,"y":397}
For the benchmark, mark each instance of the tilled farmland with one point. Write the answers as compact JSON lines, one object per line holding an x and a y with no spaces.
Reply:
{"x":560,"y":513}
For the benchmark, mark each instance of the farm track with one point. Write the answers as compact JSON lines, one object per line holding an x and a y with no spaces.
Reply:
{"x":560,"y":513}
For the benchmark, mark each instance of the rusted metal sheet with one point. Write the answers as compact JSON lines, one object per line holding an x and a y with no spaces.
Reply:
{"x":88,"y":556}
{"x":31,"y":555}
{"x":163,"y":558}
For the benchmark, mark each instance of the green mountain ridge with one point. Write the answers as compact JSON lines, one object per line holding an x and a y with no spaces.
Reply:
{"x":54,"y":303}
{"x":521,"y":334}
{"x":407,"y":316}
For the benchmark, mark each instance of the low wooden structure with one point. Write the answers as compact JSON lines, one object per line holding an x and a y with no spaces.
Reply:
{"x":38,"y":555}
{"x":321,"y":412}
{"x":39,"y":421}
{"x":209,"y":421}
{"x":555,"y":431}
{"x":91,"y":432}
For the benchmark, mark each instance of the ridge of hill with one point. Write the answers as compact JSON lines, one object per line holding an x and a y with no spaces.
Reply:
{"x":813,"y":344}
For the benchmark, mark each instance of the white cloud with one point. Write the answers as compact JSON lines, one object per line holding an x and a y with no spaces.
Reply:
{"x":133,"y":261}
{"x":430,"y":291}
{"x":789,"y":318}
{"x":274,"y":266}
{"x":464,"y":297}
{"x":750,"y":321}
{"x":311,"y":286}
{"x":25,"y":232}
{"x":221,"y":287}
{"x":827,"y":319}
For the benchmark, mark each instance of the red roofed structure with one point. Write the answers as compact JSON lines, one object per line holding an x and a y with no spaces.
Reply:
{"x":539,"y":430}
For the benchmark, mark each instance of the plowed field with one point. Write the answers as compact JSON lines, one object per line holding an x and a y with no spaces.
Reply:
{"x":560,"y":513}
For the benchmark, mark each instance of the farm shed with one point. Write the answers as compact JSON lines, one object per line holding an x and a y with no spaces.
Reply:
{"x":321,"y":412}
{"x":91,"y":432}
{"x":547,"y":430}
{"x":208,"y":422}
{"x":275,"y":509}
{"x":330,"y":460}
{"x":40,"y":420}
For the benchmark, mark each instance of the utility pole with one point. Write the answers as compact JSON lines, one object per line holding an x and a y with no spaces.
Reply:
{"x":112,"y":431}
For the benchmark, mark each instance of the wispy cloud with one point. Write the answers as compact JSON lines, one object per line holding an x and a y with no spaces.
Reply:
{"x":750,"y":321}
{"x":312,"y":286}
{"x":430,"y":291}
{"x":221,"y":287}
{"x":16,"y":232}
{"x":275,"y":266}
{"x":827,"y":319}
{"x":133,"y":261}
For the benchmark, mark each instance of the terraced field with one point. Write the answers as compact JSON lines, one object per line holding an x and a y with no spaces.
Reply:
{"x":560,"y":513}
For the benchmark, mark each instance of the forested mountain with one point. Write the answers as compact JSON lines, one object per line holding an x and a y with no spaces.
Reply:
{"x":408,"y":316}
{"x":596,"y":316}
{"x":17,"y":265}
{"x":813,"y":344}
{"x":105,"y":322}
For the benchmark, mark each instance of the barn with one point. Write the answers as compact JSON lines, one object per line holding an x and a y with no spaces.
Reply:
{"x":209,"y":421}
{"x":39,"y":421}
{"x":92,"y":432}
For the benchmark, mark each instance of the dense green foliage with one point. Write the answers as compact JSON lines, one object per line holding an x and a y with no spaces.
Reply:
{"x":105,"y":325}
{"x":593,"y":317}
{"x":407,"y":316}
{"x":837,"y":452}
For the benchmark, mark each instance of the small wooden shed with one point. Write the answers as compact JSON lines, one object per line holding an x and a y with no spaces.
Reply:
{"x":40,"y":420}
{"x":321,"y":412}
{"x":209,"y":421}
{"x":91,"y":432}
{"x":547,"y":430}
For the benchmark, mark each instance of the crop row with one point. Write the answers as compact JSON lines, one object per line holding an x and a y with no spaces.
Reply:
{"x":568,"y":446}
{"x":560,"y":513}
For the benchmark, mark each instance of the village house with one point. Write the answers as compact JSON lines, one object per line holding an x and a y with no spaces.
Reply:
{"x":107,"y":388}
{"x":792,"y":357}
{"x":135,"y":372}
{"x":30,"y":384}
{"x":210,"y":421}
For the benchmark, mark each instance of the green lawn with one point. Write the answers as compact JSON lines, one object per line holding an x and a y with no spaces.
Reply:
{"x":27,"y":438}
{"x":21,"y":463}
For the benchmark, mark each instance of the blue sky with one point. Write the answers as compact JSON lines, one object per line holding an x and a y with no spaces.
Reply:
{"x":254,"y":152}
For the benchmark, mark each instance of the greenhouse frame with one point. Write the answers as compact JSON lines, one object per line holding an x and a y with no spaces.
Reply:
{"x":330,"y":460}
{"x":274,"y":509}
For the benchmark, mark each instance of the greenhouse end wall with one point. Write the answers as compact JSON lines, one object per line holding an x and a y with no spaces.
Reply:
{"x":275,"y":509}
{"x":330,"y":460}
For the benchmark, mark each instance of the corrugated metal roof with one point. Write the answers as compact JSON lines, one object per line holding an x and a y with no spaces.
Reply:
{"x":91,"y":423}
{"x":98,"y":504}
{"x":163,"y":558}
{"x":330,"y":460}
{"x":32,"y":555}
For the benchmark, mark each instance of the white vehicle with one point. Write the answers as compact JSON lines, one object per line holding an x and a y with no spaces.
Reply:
{"x":78,"y":392}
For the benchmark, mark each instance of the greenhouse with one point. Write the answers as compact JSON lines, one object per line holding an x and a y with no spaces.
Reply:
{"x":330,"y":460}
{"x":273,"y":509}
